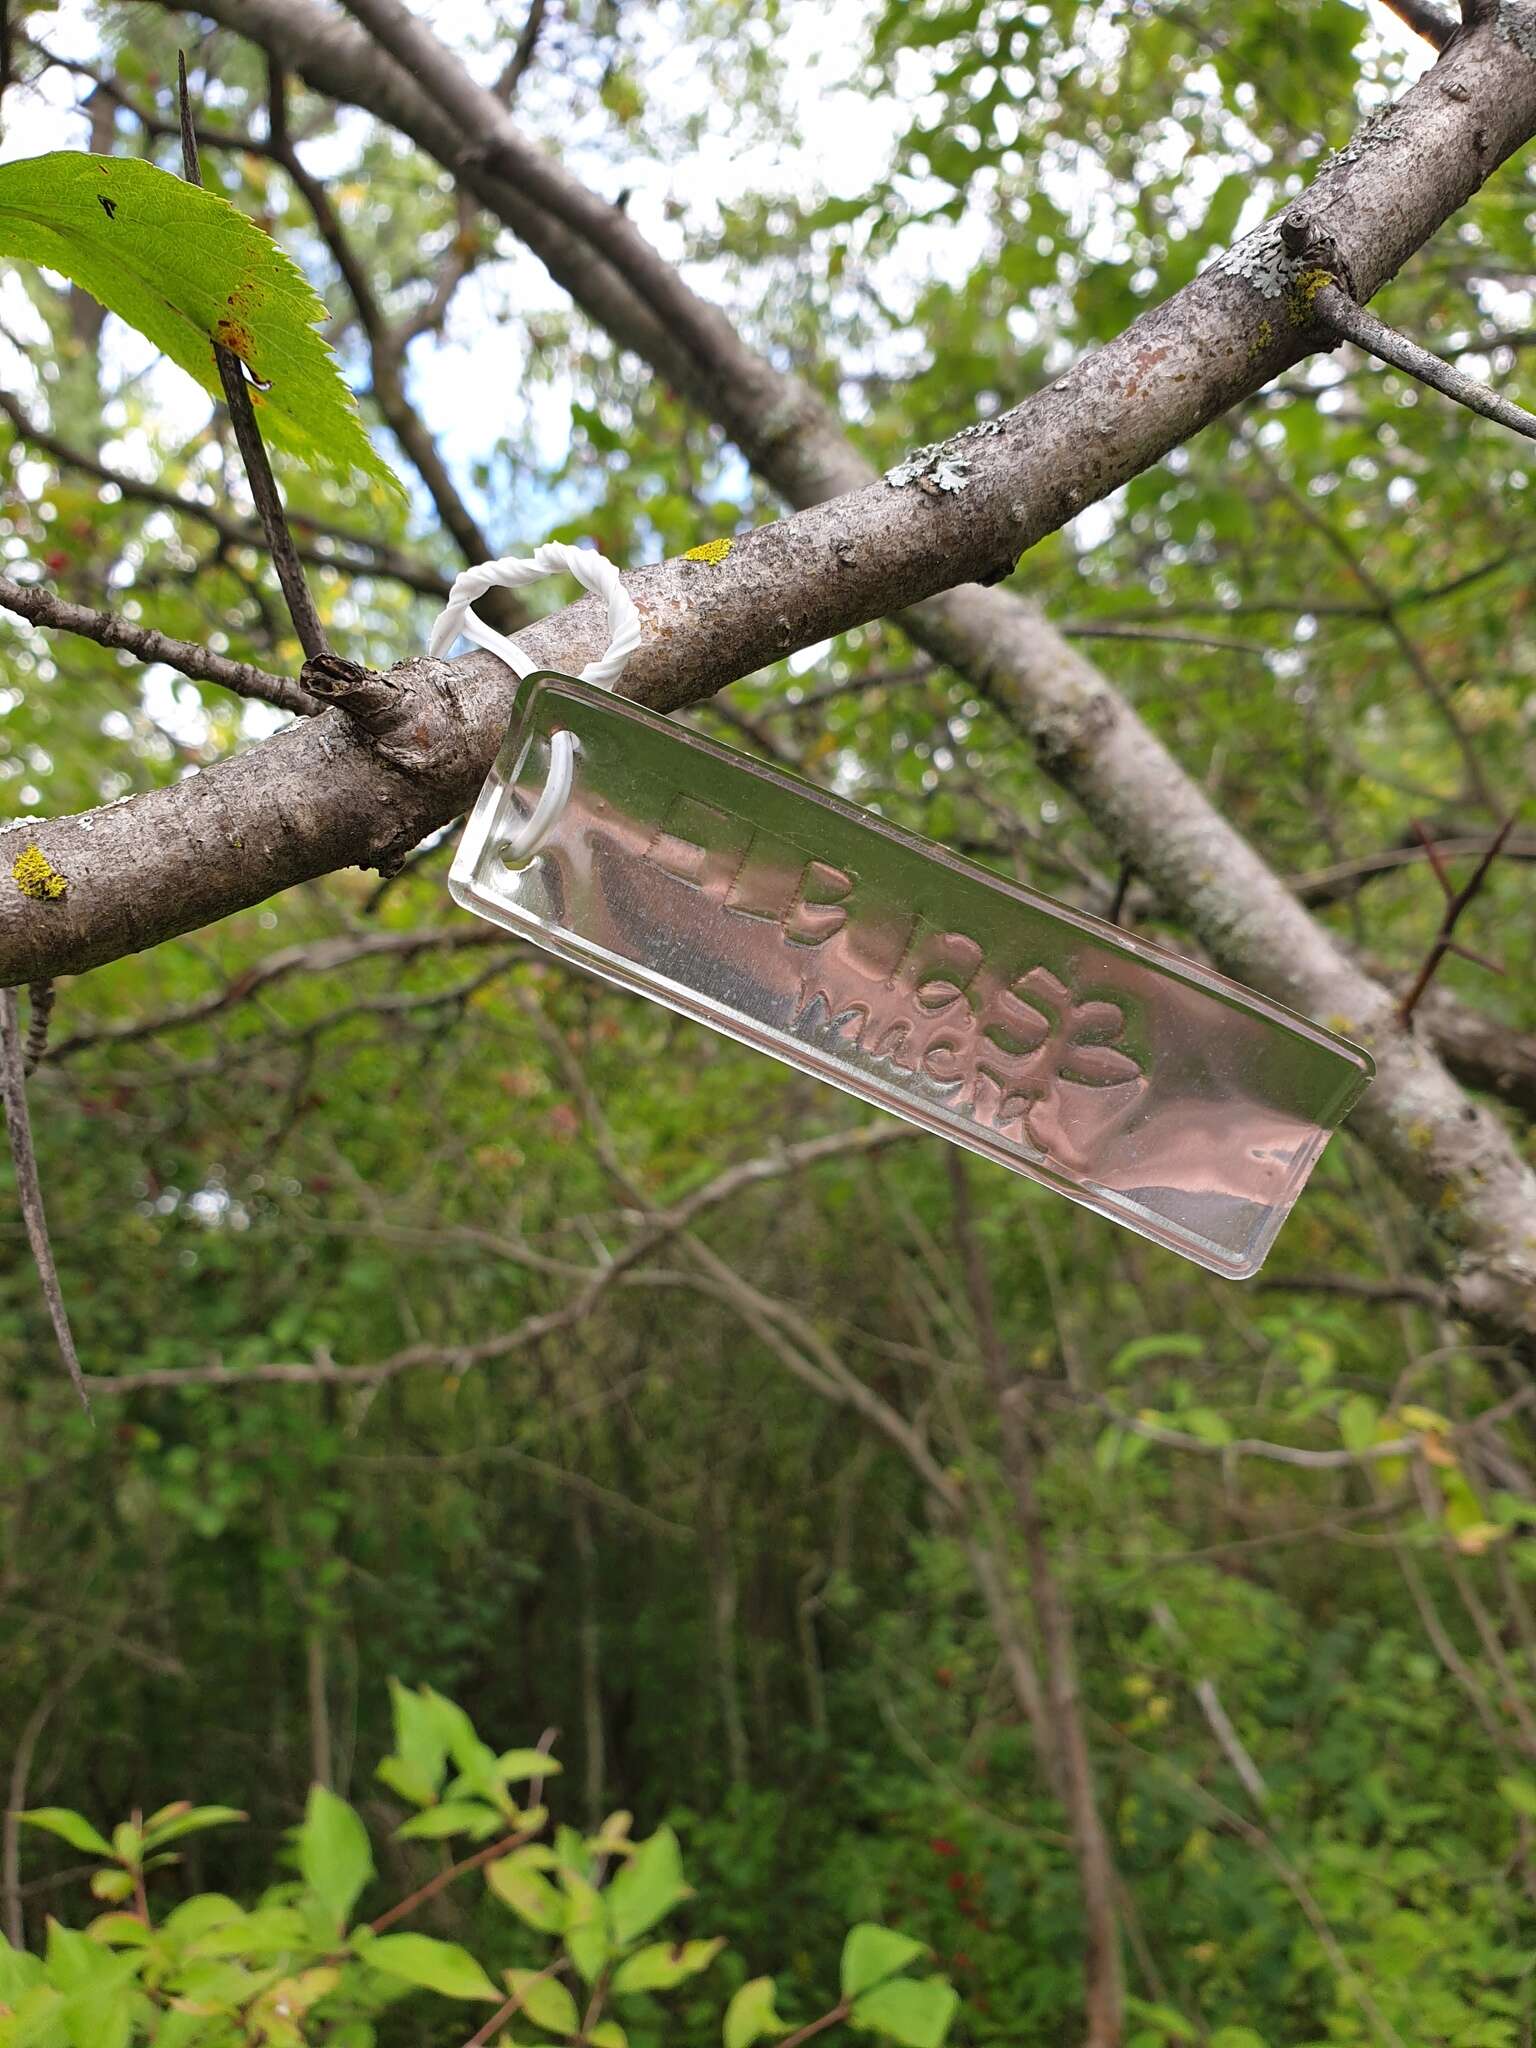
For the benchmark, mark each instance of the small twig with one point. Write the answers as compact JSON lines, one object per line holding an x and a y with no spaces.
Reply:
{"x":29,"y":1192}
{"x":30,"y":601}
{"x":242,"y":415}
{"x":1338,"y":310}
{"x":506,"y":86}
{"x":833,"y":2018}
{"x":40,"y":998}
{"x":503,"y":1846}
{"x":1426,"y":19}
{"x":1456,"y":901}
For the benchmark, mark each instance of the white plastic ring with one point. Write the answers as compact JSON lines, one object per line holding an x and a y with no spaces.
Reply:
{"x":514,"y":572}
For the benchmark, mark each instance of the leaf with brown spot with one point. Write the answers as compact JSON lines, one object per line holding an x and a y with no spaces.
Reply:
{"x":187,"y":269}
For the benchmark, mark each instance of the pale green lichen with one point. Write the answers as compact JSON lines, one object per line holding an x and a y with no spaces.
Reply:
{"x":711,"y":551}
{"x":36,"y":876}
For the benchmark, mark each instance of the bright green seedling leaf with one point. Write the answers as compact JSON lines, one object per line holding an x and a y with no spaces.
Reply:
{"x":1520,"y":1794}
{"x":187,"y":269}
{"x":453,"y":1817}
{"x":70,"y":1827}
{"x":547,"y":2003}
{"x":432,"y":1965}
{"x":871,"y":1954}
{"x":750,"y":2016}
{"x":914,"y":2011}
{"x":111,"y":1885}
{"x":527,"y":1891}
{"x":191,"y":1822}
{"x":665,"y":1964}
{"x":608,"y":2034}
{"x":335,"y":1859}
{"x":648,"y":1886}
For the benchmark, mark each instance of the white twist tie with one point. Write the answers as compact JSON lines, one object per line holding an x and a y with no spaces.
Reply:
{"x":514,"y":572}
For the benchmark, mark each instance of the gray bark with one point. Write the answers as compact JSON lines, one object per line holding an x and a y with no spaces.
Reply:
{"x":316,"y":798}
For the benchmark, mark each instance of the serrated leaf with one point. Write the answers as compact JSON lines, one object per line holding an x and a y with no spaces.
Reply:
{"x":916,"y":2011}
{"x":546,"y":2001}
{"x":872,"y":1953}
{"x":69,"y":1826}
{"x":750,"y":2016}
{"x":665,"y":1964}
{"x":335,"y":1859}
{"x":433,"y":1965}
{"x":187,"y":269}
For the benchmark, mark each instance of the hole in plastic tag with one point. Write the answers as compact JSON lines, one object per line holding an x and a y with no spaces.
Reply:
{"x":1143,"y":1086}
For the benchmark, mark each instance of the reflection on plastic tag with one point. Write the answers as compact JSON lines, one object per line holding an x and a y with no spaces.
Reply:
{"x":1150,"y":1089}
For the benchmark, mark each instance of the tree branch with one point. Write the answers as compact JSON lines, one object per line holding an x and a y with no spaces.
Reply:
{"x":29,"y":1193}
{"x":1456,"y":902}
{"x":30,"y":601}
{"x":1356,"y":324}
{"x":1433,"y":23}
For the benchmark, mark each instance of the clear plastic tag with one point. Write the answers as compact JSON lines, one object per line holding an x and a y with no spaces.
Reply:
{"x":1143,"y":1086}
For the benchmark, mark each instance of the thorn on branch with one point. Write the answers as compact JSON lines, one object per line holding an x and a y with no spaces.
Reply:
{"x":1336,"y":309}
{"x":29,"y":1192}
{"x":258,"y":470}
{"x":1456,"y":901}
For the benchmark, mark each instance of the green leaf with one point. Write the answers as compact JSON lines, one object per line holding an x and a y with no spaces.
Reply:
{"x":269,"y":1931}
{"x":528,"y":1892}
{"x":1357,"y":1422}
{"x":19,"y":1972}
{"x":191,"y":1822}
{"x":335,"y":1859}
{"x":648,"y":1886}
{"x":871,"y":1954}
{"x":608,"y":2034}
{"x":453,"y":1817}
{"x":586,"y":1926}
{"x":547,"y":2002}
{"x":914,"y":2011}
{"x":1521,"y":1795}
{"x":439,"y":1966}
{"x":70,"y":1827}
{"x":665,"y":1964}
{"x":515,"y":1765}
{"x":750,"y":2016}
{"x":185,"y":268}
{"x":416,"y":1786}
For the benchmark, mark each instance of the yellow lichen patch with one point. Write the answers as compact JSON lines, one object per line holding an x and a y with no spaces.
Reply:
{"x":36,"y":876}
{"x":711,"y":551}
{"x":1306,"y":286}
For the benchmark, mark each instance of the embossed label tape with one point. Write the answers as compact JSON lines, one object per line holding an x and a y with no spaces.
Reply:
{"x":1147,"y":1088}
